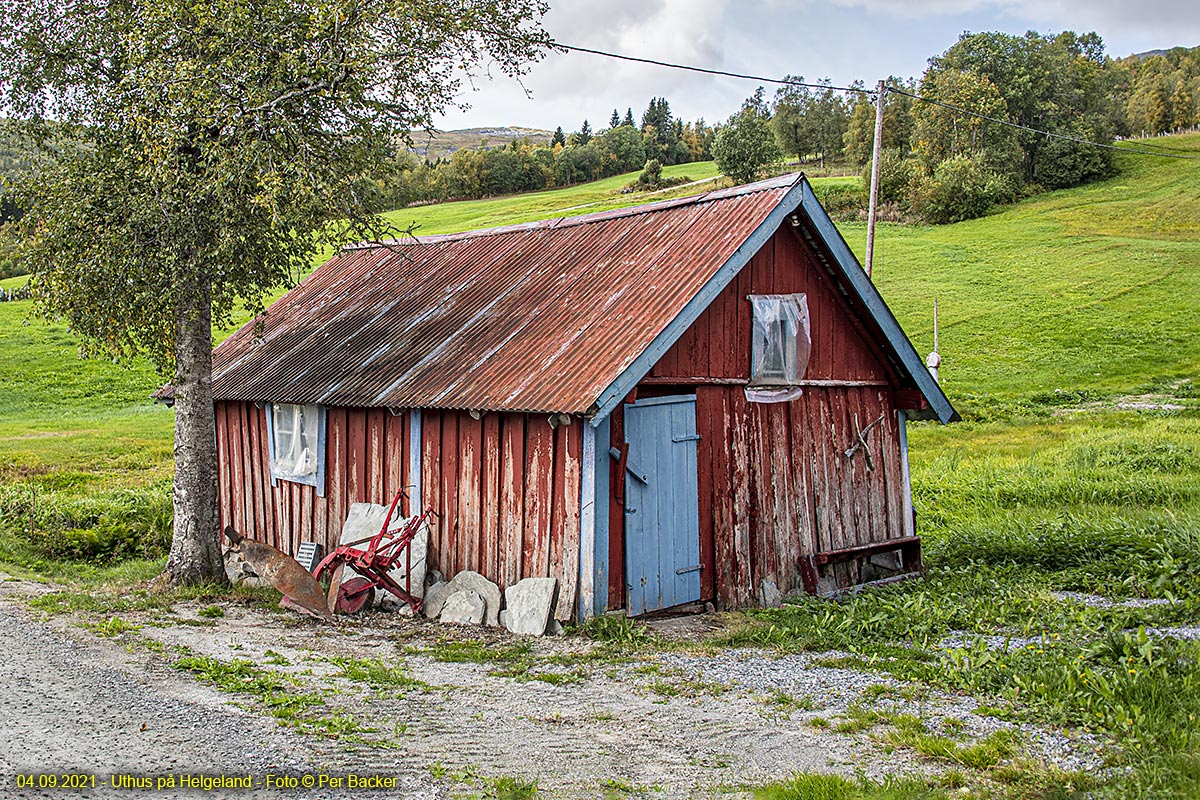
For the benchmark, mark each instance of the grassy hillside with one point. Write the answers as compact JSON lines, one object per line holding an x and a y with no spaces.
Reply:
{"x":1051,"y":311}
{"x":572,"y":201}
{"x":1088,"y":289}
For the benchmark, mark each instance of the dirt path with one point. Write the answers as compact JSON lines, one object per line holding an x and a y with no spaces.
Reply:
{"x":84,"y":708}
{"x":581,"y":724}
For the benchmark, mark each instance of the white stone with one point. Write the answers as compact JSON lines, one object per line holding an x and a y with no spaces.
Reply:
{"x":770,"y":596}
{"x":489,"y":591}
{"x":464,"y":607}
{"x":239,"y":571}
{"x":435,"y":598}
{"x":529,"y":605}
{"x":364,"y":522}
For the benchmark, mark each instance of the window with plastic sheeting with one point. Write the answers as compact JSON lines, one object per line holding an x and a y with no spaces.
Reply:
{"x":779,"y":347}
{"x":296,"y":435}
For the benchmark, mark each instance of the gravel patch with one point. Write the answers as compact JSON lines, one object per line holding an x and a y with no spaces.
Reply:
{"x":1176,"y":632}
{"x":1097,"y":601}
{"x":836,"y":690}
{"x":77,"y":707}
{"x":801,"y":675}
{"x":682,"y":723}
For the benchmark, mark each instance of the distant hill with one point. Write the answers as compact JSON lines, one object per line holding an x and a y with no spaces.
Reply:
{"x":441,"y":144}
{"x":1153,"y":53}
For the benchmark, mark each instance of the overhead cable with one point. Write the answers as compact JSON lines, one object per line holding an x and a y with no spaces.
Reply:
{"x":864,"y":91}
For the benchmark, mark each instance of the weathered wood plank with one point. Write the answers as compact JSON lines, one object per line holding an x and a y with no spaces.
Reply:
{"x":295,"y":490}
{"x":490,"y":503}
{"x":724,"y":522}
{"x":539,"y":479}
{"x":709,"y":426}
{"x":395,"y":455}
{"x":431,"y":487}
{"x":356,"y":456}
{"x":224,"y":478}
{"x":448,"y":475}
{"x":512,"y":497}
{"x":740,"y":458}
{"x":376,"y":463}
{"x":762,"y":536}
{"x":237,"y":442}
{"x":878,"y":509}
{"x":470,"y":477}
{"x":304,"y":532}
{"x":335,"y":476}
{"x":571,"y":456}
{"x":831,"y":531}
{"x":256,"y":509}
{"x":558,"y":509}
{"x":892,"y":477}
{"x":264,"y":467}
{"x":249,"y":472}
{"x":782,"y":535}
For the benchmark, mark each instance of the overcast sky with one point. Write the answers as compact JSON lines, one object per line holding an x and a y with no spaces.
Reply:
{"x":840,"y":39}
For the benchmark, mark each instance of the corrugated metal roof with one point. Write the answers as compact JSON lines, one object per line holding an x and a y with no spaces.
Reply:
{"x":536,"y":317}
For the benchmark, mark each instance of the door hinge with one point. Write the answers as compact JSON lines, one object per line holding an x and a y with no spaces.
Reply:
{"x":686,"y":570}
{"x":695,"y":437}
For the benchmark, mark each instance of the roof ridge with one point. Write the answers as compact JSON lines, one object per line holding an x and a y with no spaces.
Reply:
{"x":780,"y":182}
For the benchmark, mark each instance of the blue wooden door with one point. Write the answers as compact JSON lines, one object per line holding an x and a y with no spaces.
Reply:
{"x":662,"y":504}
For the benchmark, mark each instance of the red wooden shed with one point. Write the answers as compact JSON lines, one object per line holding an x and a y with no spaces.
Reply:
{"x":695,"y":400}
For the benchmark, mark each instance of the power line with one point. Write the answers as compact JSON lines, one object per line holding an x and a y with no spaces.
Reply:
{"x":706,"y":71}
{"x":864,"y":91}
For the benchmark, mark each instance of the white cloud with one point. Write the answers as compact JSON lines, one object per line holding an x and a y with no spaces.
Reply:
{"x":567,"y":88}
{"x":842,"y":39}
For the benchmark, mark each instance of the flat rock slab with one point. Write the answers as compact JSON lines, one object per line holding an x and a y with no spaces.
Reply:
{"x":489,"y":591}
{"x":529,"y":603}
{"x":435,"y":598}
{"x":464,"y":607}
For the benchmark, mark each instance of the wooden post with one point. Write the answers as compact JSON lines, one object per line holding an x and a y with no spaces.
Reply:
{"x":880,"y":91}
{"x":934,"y":361}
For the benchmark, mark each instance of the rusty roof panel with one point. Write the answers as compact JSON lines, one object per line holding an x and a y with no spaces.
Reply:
{"x":541,"y":316}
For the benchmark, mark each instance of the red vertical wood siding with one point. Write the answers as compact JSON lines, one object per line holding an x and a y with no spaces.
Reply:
{"x":286,"y":514}
{"x":506,"y":487}
{"x":717,"y":345}
{"x":775,"y":484}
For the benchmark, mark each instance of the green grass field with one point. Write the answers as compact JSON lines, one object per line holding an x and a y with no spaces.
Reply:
{"x":1088,"y":288}
{"x":1056,"y":314}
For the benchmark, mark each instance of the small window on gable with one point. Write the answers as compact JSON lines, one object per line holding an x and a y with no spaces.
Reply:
{"x":780,"y":341}
{"x":296,"y":435}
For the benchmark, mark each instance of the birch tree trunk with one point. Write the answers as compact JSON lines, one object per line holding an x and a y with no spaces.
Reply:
{"x":195,"y":548}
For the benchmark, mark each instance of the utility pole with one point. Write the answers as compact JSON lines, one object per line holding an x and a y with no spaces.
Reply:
{"x":879,"y":93}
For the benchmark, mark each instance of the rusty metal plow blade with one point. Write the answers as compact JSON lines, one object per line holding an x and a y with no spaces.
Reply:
{"x":300,"y":589}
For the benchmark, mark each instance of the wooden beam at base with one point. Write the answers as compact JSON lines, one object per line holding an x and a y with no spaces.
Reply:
{"x":848,"y":553}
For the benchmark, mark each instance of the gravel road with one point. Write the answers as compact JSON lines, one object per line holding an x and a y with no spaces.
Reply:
{"x":670,"y":724}
{"x":87,"y":709}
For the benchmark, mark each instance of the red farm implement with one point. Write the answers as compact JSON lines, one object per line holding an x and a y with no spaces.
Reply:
{"x":384,"y":552}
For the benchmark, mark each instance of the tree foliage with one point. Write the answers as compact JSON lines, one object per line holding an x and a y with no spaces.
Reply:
{"x":1161,"y":91}
{"x":1059,"y":83}
{"x":745,"y":145}
{"x":203,"y":152}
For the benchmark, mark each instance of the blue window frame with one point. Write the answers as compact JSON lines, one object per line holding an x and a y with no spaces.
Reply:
{"x":296,"y":444}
